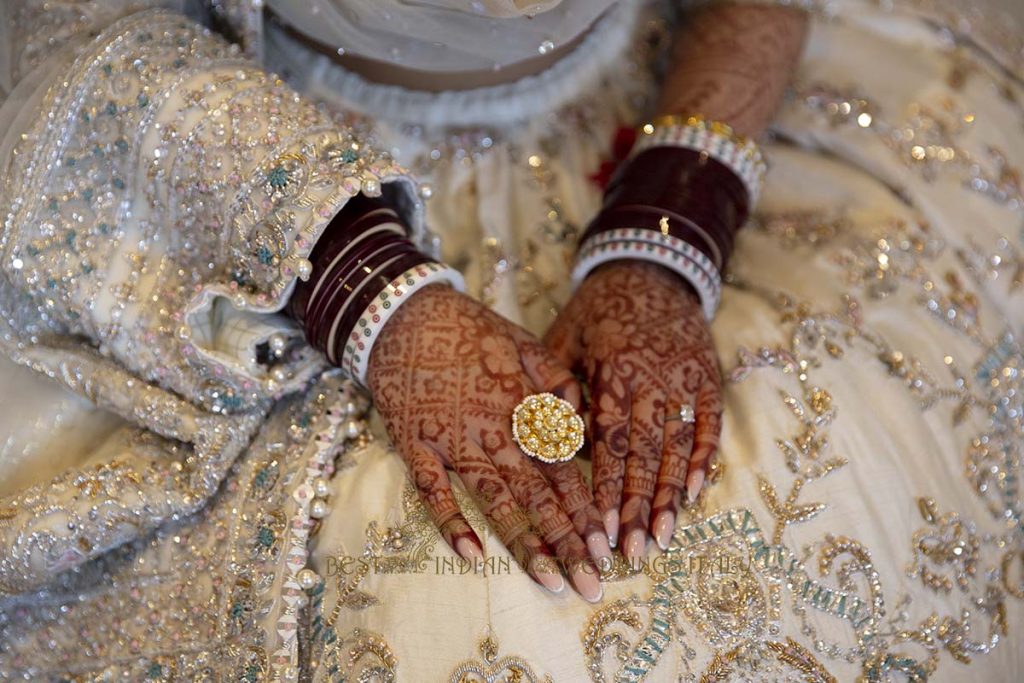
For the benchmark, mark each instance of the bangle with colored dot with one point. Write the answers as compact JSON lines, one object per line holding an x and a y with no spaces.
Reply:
{"x":356,"y":301}
{"x":356,"y":352}
{"x":683,"y":263}
{"x":658,"y":239}
{"x":679,"y":191}
{"x":364,"y":267}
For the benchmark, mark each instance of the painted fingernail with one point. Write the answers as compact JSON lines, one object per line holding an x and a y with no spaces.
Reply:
{"x":597,"y":544}
{"x":468,"y":549}
{"x":546,"y":573}
{"x":636,"y":541}
{"x":611,"y":526}
{"x":664,"y":525}
{"x":587,"y":583}
{"x":693,"y":485}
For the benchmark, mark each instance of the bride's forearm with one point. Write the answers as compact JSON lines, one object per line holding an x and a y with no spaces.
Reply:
{"x":732,"y":63}
{"x":689,"y":183}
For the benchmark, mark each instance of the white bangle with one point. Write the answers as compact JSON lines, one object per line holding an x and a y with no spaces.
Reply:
{"x":651,"y":236}
{"x":679,"y":262}
{"x":355,"y":358}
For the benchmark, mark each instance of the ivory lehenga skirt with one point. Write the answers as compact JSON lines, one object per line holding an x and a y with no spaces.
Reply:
{"x":867,"y":518}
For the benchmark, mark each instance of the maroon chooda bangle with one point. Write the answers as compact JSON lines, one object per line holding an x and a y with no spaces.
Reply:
{"x":363,"y":248}
{"x":703,"y":201}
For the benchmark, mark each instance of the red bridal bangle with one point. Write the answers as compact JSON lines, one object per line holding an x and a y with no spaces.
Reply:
{"x":702,"y":198}
{"x":363,"y":262}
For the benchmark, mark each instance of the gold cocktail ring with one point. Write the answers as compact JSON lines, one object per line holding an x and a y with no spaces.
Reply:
{"x":547,"y":428}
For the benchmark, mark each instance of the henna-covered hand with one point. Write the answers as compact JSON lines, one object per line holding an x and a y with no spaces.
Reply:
{"x":637,"y":332}
{"x":446,"y":374}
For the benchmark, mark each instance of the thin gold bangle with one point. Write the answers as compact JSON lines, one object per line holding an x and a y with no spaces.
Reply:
{"x":696,"y":121}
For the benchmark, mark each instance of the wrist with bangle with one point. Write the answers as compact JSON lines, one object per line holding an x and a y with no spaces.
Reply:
{"x":364,"y":267}
{"x":678,"y":200}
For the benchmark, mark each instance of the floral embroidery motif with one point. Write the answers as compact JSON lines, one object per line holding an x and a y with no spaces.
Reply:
{"x":928,"y":141}
{"x":725,"y":579}
{"x":947,"y":544}
{"x":151,"y":180}
{"x":506,"y":669}
{"x":405,"y":548}
{"x":737,"y":613}
{"x":204,"y":594}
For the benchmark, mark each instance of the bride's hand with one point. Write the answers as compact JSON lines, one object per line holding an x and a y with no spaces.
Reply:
{"x":637,"y":332}
{"x":446,"y":374}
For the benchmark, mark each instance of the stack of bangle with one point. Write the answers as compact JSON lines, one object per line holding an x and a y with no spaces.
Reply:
{"x":364,"y":267}
{"x":678,"y":200}
{"x":717,"y":140}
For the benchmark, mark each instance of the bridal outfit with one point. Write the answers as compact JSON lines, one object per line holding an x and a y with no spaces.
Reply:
{"x":178,"y":503}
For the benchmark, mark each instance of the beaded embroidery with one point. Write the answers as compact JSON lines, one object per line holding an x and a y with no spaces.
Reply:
{"x":149,"y":193}
{"x":207,"y":596}
{"x":153,"y":144}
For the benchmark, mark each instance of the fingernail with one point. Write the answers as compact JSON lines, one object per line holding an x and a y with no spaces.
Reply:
{"x":611,"y":526}
{"x":468,"y":549}
{"x":549,"y":578}
{"x":635,"y":543}
{"x":587,"y":584}
{"x":664,"y":525}
{"x":693,"y":485}
{"x":597,"y":544}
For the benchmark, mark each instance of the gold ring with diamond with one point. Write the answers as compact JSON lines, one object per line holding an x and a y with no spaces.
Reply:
{"x":547,"y":428}
{"x":684,"y":415}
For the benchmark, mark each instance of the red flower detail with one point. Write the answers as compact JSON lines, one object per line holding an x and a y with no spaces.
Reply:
{"x":621,"y":146}
{"x":625,"y":138}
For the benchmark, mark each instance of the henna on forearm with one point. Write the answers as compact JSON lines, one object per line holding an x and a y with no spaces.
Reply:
{"x":732,"y":63}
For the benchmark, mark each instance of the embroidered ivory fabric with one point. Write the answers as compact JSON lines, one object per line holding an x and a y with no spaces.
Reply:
{"x":158,"y":472}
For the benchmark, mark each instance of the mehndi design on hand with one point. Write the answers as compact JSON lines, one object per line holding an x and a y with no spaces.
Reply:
{"x":638,"y":334}
{"x":446,"y":375}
